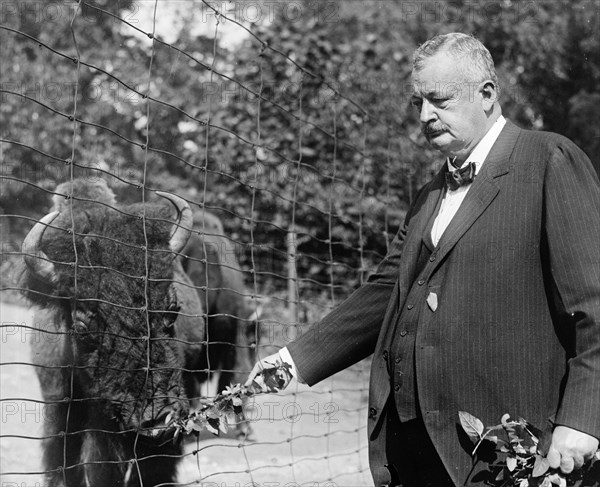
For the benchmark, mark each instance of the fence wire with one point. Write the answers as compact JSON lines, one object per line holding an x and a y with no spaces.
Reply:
{"x":280,"y":265}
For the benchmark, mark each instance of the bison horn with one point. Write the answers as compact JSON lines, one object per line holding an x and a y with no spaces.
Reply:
{"x":185,"y":221}
{"x":34,"y":257}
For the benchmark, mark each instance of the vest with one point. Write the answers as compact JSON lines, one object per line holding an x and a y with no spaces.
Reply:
{"x":401,"y":358}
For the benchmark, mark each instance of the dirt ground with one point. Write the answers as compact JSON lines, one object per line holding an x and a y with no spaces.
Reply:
{"x":304,"y":436}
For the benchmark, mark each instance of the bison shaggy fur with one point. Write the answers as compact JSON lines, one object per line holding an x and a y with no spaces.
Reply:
{"x":119,"y":321}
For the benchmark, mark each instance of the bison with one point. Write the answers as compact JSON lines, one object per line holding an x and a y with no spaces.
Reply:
{"x":120,"y":323}
{"x":210,"y":260}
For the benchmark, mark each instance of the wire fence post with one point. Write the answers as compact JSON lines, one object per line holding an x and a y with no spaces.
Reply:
{"x":292,"y":277}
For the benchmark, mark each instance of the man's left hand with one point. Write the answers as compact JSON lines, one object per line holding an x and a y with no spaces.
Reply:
{"x":570,"y":449}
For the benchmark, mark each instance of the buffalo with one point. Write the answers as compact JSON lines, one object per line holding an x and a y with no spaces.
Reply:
{"x":211,"y":261}
{"x":120,"y":326}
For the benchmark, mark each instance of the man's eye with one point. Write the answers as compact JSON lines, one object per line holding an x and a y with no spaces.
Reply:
{"x":440,"y":102}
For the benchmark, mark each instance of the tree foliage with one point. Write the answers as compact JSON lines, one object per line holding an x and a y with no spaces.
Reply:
{"x":303,"y":124}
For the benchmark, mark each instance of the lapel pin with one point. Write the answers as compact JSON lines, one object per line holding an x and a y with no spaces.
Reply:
{"x":432,"y":301}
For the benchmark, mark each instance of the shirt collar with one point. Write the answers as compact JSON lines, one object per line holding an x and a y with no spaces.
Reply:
{"x":482,"y":149}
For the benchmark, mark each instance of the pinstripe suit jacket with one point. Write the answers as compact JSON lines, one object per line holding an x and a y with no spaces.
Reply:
{"x":517,"y":328}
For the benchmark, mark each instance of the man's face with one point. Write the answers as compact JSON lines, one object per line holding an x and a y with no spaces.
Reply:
{"x":451,"y":110}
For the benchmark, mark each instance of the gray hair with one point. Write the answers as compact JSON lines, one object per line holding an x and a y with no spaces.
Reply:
{"x":475,"y":61}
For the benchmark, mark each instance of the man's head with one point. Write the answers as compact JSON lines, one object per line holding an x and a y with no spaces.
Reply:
{"x":455,"y":90}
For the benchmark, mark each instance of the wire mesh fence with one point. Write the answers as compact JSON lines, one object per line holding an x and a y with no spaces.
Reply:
{"x":288,"y":182}
{"x":271,"y":122}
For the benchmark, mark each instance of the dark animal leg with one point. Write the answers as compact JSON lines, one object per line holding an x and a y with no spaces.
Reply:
{"x":112,"y":459}
{"x":160,"y":469}
{"x":105,"y":461}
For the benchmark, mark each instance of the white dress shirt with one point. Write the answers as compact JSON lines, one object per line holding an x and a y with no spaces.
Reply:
{"x":453,"y":199}
{"x":449,"y":206}
{"x":286,"y":357}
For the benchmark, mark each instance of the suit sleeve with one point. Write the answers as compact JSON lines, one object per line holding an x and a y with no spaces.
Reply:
{"x":572,"y":228}
{"x":349,"y":333}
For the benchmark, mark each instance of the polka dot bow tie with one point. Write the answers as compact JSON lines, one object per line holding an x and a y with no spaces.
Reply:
{"x":460,"y":177}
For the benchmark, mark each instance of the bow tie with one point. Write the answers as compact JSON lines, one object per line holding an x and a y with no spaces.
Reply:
{"x":460,"y":177}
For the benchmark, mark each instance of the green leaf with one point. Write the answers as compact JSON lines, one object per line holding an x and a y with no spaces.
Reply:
{"x":223,"y":425}
{"x":518,"y":448}
{"x":511,"y":463}
{"x":472,"y":426}
{"x":541,"y":466}
{"x":213,"y":426}
{"x":557,"y":479}
{"x":216,"y":415}
{"x":213,"y":413}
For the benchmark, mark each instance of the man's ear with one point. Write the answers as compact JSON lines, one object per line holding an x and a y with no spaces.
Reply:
{"x":489,"y":94}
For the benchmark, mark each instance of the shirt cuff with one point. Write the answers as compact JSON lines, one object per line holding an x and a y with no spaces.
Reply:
{"x":286,"y":357}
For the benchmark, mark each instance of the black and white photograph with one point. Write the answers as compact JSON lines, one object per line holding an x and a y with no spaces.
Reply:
{"x":300,"y":243}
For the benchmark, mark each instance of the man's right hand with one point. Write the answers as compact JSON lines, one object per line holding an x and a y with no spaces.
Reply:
{"x":283,"y":377}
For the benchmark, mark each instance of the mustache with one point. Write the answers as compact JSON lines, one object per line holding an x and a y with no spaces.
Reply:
{"x":430,"y":129}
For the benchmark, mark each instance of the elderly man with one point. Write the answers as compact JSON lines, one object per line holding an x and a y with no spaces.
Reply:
{"x":489,"y":299}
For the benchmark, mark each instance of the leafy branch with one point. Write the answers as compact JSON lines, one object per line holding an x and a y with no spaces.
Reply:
{"x":525,"y":449}
{"x":215,"y":415}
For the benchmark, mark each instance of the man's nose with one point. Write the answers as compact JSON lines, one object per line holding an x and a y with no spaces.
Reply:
{"x":428,"y":112}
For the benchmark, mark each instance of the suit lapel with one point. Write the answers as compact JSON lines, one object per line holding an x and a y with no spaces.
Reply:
{"x":422,"y":222}
{"x":426,"y":205}
{"x":482,"y":192}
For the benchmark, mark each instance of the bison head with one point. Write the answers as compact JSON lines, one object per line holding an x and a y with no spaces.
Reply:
{"x":112,"y":282}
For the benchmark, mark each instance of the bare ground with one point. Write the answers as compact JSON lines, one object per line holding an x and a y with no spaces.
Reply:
{"x":308,"y":436}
